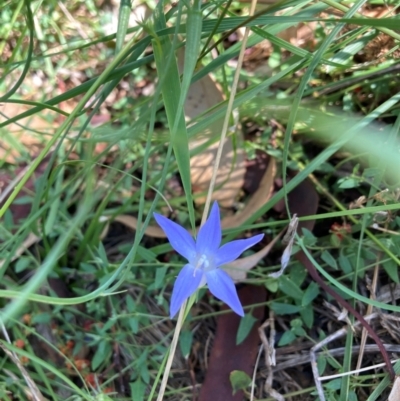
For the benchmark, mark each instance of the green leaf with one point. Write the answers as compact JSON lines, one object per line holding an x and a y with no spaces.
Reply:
{"x":42,"y":318}
{"x":146,"y":254}
{"x":134,"y":324}
{"x":103,"y":254}
{"x":185,"y":342}
{"x":284,"y":309}
{"x":335,"y":241}
{"x":130,"y":304}
{"x":166,"y":64}
{"x":392,"y":270}
{"x":88,"y":268}
{"x":321,"y":364}
{"x":307,"y":314}
{"x":272,"y":284}
{"x":239,"y":380}
{"x":308,"y":237}
{"x":334,"y":384}
{"x":345,"y":264}
{"x":297,"y":327}
{"x":348,"y":182}
{"x":245,"y":326}
{"x":110,"y":323}
{"x":138,"y":389}
{"x":310,"y":294}
{"x":101,"y":354}
{"x":329,"y":259}
{"x":298,"y":273}
{"x":290,"y":288}
{"x":287,"y":338}
{"x":22,"y":263}
{"x":144,"y":373}
{"x":160,"y":274}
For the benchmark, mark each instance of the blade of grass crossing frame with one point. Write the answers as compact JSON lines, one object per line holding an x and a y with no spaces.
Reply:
{"x":193,"y":40}
{"x":29,"y":23}
{"x":123,"y":21}
{"x":171,"y":91}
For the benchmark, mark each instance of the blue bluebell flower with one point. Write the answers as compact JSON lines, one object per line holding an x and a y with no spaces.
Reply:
{"x":205,"y":258}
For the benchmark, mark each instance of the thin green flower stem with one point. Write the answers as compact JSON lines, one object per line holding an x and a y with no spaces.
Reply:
{"x":172,"y":350}
{"x":123,"y":22}
{"x":227,"y":116}
{"x":100,"y":80}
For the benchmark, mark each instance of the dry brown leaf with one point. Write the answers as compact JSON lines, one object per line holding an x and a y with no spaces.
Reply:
{"x":226,"y":355}
{"x":230,"y":175}
{"x":238,"y":269}
{"x":203,"y":95}
{"x":132,"y":223}
{"x":257,"y":200}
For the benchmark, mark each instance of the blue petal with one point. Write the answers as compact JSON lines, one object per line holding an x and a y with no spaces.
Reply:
{"x":222,"y":287}
{"x":186,"y":284}
{"x":232,"y":250}
{"x":209,"y":237}
{"x":178,"y":237}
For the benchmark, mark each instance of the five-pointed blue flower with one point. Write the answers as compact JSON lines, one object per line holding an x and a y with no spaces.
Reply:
{"x":205,"y":258}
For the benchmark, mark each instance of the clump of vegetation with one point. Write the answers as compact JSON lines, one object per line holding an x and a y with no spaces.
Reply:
{"x":286,"y":114}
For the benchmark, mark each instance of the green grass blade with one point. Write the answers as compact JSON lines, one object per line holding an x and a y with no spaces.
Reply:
{"x":123,"y":21}
{"x":164,"y":55}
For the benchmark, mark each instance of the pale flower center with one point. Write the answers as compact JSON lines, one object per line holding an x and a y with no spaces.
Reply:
{"x":203,"y":263}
